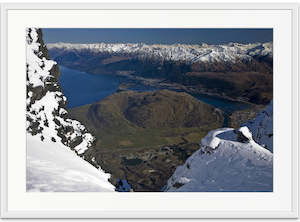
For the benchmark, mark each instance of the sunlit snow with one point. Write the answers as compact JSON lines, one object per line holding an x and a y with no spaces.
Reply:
{"x":262,"y":127}
{"x":54,"y":167}
{"x":227,"y":166}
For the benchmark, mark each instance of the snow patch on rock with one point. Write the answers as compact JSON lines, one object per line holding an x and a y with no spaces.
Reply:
{"x":55,"y":142}
{"x":46,"y":113}
{"x":245,"y":132}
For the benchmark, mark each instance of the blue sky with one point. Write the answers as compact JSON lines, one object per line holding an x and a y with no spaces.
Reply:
{"x":151,"y":36}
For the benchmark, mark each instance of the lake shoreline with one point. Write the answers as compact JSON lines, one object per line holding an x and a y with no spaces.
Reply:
{"x":136,"y":81}
{"x":82,"y":88}
{"x":165,"y":84}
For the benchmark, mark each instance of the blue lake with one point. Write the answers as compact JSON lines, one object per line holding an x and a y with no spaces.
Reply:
{"x":82,"y":88}
{"x":227,"y":106}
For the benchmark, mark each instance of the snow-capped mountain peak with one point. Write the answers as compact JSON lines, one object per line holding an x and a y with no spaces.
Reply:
{"x":231,"y":52}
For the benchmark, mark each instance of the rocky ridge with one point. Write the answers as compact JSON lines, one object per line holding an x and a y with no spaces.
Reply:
{"x":48,"y":125}
{"x":46,"y":105}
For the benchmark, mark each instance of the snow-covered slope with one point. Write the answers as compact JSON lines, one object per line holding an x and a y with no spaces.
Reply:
{"x":53,"y":167}
{"x":225,"y":162}
{"x":54,"y":140}
{"x":262,"y":127}
{"x":178,"y":52}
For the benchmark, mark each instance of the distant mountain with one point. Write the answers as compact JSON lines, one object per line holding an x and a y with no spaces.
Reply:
{"x":55,"y":143}
{"x":232,"y":52}
{"x":236,"y":71}
{"x":231,"y":160}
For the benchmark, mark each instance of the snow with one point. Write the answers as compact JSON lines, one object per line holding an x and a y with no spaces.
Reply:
{"x":37,"y":65}
{"x":224,"y":164}
{"x":230,"y":166}
{"x":246,"y":132}
{"x":262,"y":127}
{"x":53,"y":167}
{"x":42,"y":110}
{"x":177,"y":52}
{"x":48,"y":104}
{"x":83,"y":146}
{"x":211,"y":140}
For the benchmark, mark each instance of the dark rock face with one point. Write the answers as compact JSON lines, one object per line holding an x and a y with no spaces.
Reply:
{"x":244,"y":135}
{"x":38,"y":92}
{"x":241,"y":137}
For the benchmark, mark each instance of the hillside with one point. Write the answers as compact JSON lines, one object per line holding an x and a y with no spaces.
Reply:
{"x":128,"y":113}
{"x":143,"y":136}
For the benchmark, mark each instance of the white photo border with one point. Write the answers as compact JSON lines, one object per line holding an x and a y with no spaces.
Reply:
{"x":35,"y":205}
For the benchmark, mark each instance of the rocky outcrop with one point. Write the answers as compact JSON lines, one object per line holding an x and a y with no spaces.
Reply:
{"x":51,"y":164}
{"x":46,"y":105}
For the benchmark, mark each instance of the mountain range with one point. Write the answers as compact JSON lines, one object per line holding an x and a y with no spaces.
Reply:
{"x":231,"y":52}
{"x":235,"y":71}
